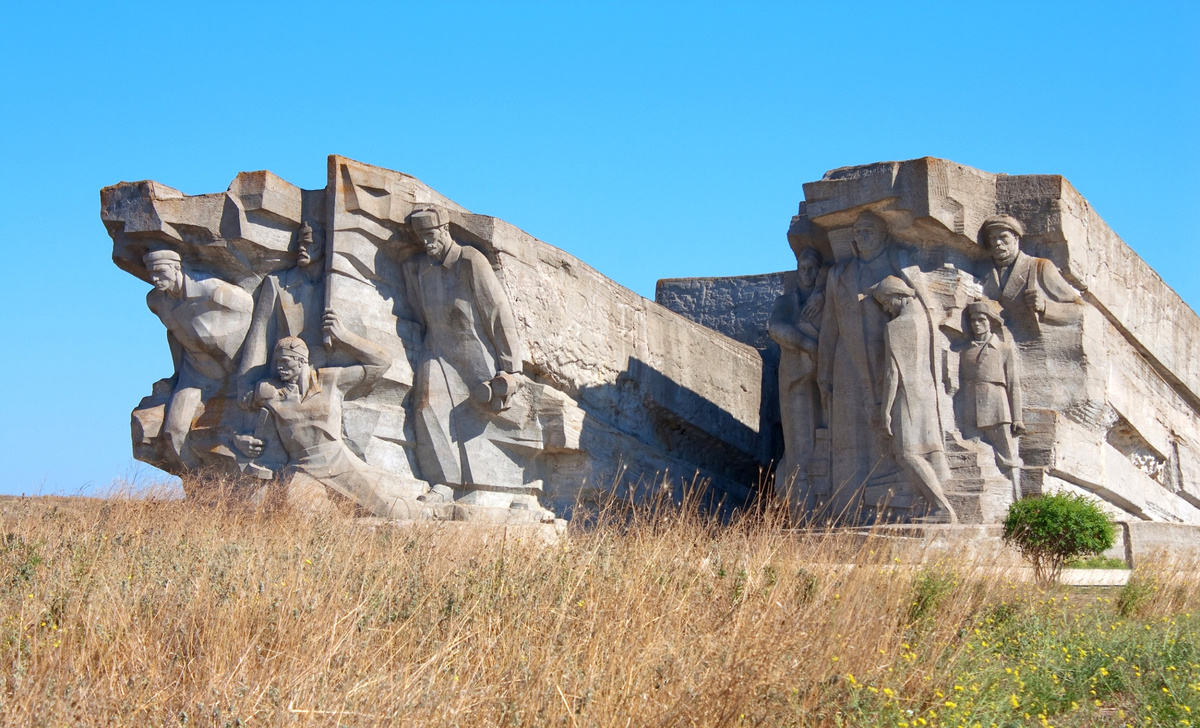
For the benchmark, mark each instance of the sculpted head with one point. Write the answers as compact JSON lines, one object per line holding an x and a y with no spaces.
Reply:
{"x":870,"y":235}
{"x":1001,"y":234}
{"x":166,"y":271}
{"x":432,"y":227}
{"x":984,"y":318}
{"x":291,"y":359}
{"x":808,"y":265}
{"x":309,"y":250}
{"x":892,"y":294}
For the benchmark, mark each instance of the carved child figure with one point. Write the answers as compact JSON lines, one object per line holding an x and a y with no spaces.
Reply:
{"x":992,"y":388}
{"x":910,"y":397}
{"x":794,"y":326}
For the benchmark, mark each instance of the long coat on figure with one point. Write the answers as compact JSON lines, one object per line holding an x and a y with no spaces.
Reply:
{"x":470,"y":336}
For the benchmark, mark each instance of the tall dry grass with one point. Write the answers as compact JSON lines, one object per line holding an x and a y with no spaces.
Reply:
{"x":164,"y":612}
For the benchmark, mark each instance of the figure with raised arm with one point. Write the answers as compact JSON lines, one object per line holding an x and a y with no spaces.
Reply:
{"x":304,"y":404}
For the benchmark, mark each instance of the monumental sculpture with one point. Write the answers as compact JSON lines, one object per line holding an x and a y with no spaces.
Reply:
{"x":1038,"y":352}
{"x":374,"y":349}
{"x":304,"y":403}
{"x":949,"y":341}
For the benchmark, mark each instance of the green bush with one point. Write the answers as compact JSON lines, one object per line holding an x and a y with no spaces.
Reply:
{"x":1053,"y":529}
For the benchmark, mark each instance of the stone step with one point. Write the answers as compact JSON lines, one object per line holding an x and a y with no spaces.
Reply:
{"x":966,"y":471}
{"x":977,"y":486}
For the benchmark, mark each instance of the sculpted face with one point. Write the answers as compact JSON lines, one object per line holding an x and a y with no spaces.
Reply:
{"x":310,"y":251}
{"x":436,"y":241}
{"x":981,"y":325}
{"x":806,"y":272}
{"x":870,"y":235}
{"x":1004,"y":245}
{"x":290,"y":368}
{"x":167,"y":278}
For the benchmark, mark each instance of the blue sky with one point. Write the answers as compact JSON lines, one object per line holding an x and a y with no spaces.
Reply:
{"x":651,"y":140}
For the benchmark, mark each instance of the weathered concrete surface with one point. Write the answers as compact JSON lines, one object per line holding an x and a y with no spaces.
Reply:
{"x":610,"y":394}
{"x":738,"y":307}
{"x":1162,"y":544}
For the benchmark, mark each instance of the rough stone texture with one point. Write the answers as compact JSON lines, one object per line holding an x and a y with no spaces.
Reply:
{"x":1110,"y":371}
{"x":740,"y":308}
{"x":608,"y":396}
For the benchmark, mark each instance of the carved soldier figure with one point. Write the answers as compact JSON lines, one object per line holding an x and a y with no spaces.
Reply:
{"x":909,"y":409}
{"x":470,"y":345}
{"x":992,"y":388}
{"x":850,"y":362}
{"x":206,"y":323}
{"x":305,"y":405}
{"x":794,"y":326}
{"x":1031,"y":290}
{"x":289,"y":304}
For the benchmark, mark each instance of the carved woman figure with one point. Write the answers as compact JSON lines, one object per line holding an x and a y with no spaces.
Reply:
{"x":850,"y":362}
{"x":909,"y":410}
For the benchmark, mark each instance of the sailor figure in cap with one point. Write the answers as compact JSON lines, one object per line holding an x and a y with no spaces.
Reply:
{"x":1031,"y":290}
{"x":305,"y":405}
{"x":206,"y":323}
{"x":471,"y":345}
{"x":910,"y":414}
{"x":991,"y":387}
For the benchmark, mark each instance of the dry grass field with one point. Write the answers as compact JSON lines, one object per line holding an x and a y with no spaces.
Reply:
{"x":139,"y":611}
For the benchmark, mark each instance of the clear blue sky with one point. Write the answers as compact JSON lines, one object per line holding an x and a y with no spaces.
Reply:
{"x":651,"y":140}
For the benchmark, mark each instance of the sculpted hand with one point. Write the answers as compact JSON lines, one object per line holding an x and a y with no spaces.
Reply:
{"x":334,"y":328}
{"x":886,"y":422}
{"x":1018,"y":428}
{"x":1035,"y":300}
{"x":812,"y":308}
{"x":249,"y":445}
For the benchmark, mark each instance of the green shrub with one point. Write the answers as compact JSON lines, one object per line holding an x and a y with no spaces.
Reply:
{"x":1053,"y":529}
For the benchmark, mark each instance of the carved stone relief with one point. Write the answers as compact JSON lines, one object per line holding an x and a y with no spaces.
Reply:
{"x":375,"y":349}
{"x":1057,"y":360}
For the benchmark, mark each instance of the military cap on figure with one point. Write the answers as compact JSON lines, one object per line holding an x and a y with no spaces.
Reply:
{"x":427,"y":219}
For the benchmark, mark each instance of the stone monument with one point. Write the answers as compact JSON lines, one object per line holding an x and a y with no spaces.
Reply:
{"x":374,"y":348}
{"x":982,"y":337}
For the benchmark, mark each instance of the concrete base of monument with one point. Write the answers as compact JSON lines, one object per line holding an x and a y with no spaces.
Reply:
{"x":535,"y":534}
{"x":1138,"y":543}
{"x":442,"y":503}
